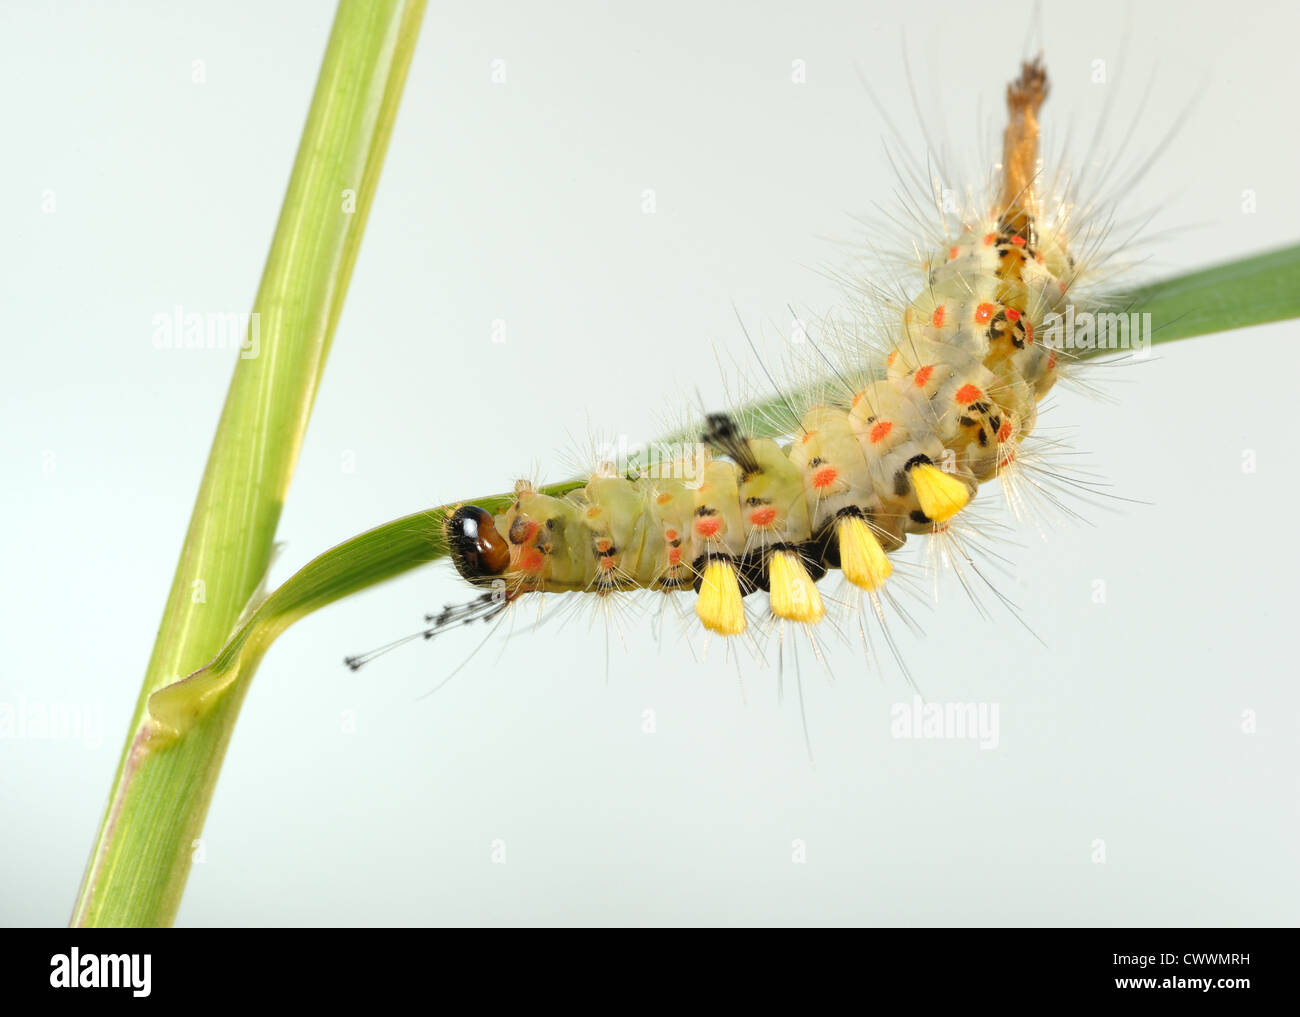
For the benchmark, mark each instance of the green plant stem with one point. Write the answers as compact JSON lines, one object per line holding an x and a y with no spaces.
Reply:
{"x":163,"y":786}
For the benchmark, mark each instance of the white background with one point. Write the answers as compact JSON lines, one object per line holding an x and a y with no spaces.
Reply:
{"x":523,"y":202}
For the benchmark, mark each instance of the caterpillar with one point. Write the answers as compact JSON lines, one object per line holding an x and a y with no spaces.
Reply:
{"x":947,"y":410}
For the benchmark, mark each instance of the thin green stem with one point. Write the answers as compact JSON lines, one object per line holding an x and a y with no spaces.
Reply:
{"x":163,"y":786}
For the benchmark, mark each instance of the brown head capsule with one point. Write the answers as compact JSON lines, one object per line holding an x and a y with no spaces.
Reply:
{"x":477,"y":550}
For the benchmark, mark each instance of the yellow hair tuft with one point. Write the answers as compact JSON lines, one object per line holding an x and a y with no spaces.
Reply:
{"x":941,"y":495}
{"x":862,"y":560}
{"x":793,"y":593}
{"x":719,"y":605}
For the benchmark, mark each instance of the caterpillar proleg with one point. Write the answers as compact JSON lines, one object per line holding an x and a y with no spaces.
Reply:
{"x":944,"y":411}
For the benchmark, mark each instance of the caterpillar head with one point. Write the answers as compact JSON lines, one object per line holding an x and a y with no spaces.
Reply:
{"x":477,"y":549}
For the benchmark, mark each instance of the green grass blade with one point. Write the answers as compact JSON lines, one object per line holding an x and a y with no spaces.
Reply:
{"x":1251,"y":291}
{"x":163,"y":786}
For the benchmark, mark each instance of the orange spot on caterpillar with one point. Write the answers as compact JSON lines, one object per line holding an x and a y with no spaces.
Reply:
{"x":983,"y":313}
{"x":593,"y":512}
{"x":1029,"y":331}
{"x":1018,"y":241}
{"x":674,"y":556}
{"x":664,"y":499}
{"x":604,"y":544}
{"x":531,"y":559}
{"x":825,"y":477}
{"x":937,"y":317}
{"x":670,"y":534}
{"x":952,"y":253}
{"x":1051,"y":361}
{"x":1039,"y":257}
{"x":1061,"y":285}
{"x":889,"y":360}
{"x":762,"y":516}
{"x":968,"y":394}
{"x":1006,"y":459}
{"x":808,"y":436}
{"x":607,"y":564}
{"x":857,"y":398}
{"x":881,"y":430}
{"x":1012,"y":314}
{"x":708,"y":526}
{"x":923,"y":375}
{"x":989,"y":238}
{"x":1004,"y":432}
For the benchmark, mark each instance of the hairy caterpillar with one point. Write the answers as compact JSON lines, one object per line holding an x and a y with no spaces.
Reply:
{"x":945,"y":411}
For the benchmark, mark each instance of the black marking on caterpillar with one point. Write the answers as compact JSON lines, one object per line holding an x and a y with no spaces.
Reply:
{"x":722,"y":433}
